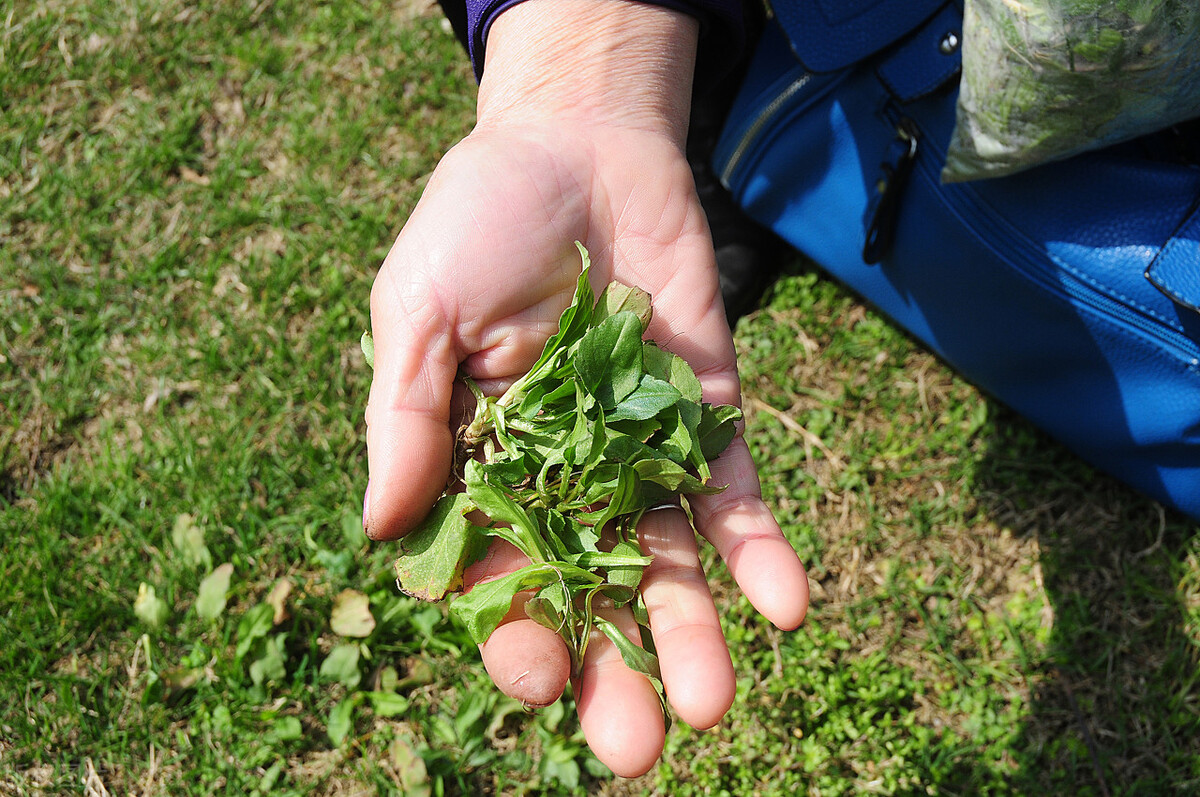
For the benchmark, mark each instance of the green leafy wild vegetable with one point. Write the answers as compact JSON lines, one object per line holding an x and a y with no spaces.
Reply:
{"x":604,"y":427}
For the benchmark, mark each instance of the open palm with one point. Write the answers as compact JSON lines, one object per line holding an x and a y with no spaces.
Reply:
{"x":476,"y":281}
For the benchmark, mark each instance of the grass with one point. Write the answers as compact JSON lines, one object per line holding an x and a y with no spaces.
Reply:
{"x":192,"y":204}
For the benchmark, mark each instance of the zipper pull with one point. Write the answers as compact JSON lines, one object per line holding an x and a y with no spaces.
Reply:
{"x":886,"y":202}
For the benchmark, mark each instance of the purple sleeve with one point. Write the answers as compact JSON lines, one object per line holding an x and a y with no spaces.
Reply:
{"x":721,"y":31}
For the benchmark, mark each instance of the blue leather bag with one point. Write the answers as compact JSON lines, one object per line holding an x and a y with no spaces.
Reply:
{"x":1071,"y":292}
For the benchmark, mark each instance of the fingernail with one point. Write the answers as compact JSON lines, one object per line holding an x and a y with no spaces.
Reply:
{"x":366,"y":503}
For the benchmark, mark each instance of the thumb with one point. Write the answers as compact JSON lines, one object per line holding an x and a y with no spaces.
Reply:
{"x":409,"y":443}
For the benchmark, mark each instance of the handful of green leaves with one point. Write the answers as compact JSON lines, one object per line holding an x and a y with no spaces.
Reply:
{"x":603,"y":427}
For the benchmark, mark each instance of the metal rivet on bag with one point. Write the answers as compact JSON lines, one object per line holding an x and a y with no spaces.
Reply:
{"x":948,"y":44}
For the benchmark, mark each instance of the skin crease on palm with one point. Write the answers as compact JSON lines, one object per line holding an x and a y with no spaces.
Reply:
{"x":477,"y":279}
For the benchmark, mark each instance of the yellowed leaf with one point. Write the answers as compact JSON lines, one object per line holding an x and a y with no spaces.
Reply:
{"x":352,"y":614}
{"x":277,"y":598}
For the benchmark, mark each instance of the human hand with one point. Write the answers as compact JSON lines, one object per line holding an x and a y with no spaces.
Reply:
{"x":476,"y":280}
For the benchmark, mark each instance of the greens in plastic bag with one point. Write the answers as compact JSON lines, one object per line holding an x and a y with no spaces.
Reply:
{"x":1046,"y":79}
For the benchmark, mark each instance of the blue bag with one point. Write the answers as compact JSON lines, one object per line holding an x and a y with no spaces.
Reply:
{"x":1071,"y":292}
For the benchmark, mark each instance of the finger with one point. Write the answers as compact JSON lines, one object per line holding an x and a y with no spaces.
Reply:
{"x":527,"y":661}
{"x":409,"y":444}
{"x":618,"y":708}
{"x":735,"y":521}
{"x":749,"y":540}
{"x":696,"y":670}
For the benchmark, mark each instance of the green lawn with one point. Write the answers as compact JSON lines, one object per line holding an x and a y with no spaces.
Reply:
{"x":193,"y":202}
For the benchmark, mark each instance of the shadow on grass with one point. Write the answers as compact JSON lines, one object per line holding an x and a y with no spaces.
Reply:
{"x":1116,"y":693}
{"x":990,"y":614}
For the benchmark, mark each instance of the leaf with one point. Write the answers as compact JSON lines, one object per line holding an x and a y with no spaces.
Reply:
{"x":267,"y":783}
{"x":287,"y":729}
{"x":149,"y":608}
{"x":271,"y":665}
{"x":620,"y":298}
{"x":609,"y":360}
{"x":543,"y":612}
{"x":673,"y":477}
{"x":210,"y":598}
{"x":684,"y":379}
{"x":255,"y":624}
{"x":500,"y":507}
{"x":482,"y":609}
{"x":575,"y":536}
{"x":558,"y":594}
{"x":367,"y":344}
{"x":574,"y":321}
{"x":626,"y":497}
{"x":433,"y":556}
{"x":630,"y":574}
{"x":635,"y":657}
{"x":651,"y":397}
{"x":188,"y":540}
{"x":410,"y":768}
{"x":277,"y":599}
{"x":674,"y":369}
{"x":642,"y":431}
{"x":508,"y":472}
{"x":621,"y":448}
{"x":558,"y":765}
{"x":341,"y":665}
{"x":387,"y":704}
{"x":561,"y":399}
{"x":718,"y":426}
{"x":682,"y":441}
{"x":620,"y":594}
{"x":351,"y":615}
{"x":341,"y":719}
{"x":586,"y":459}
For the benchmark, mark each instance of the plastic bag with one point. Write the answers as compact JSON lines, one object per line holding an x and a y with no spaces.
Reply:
{"x":1046,"y":79}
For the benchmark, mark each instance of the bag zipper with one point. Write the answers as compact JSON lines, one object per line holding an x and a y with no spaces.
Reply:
{"x":760,"y":121}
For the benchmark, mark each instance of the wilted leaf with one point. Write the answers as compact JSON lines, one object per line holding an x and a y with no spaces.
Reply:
{"x":277,"y":600}
{"x":352,"y":614}
{"x":149,"y":608}
{"x":432,"y":557}
{"x":210,"y":600}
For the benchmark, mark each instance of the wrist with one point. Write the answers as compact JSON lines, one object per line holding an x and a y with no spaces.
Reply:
{"x":628,"y":64}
